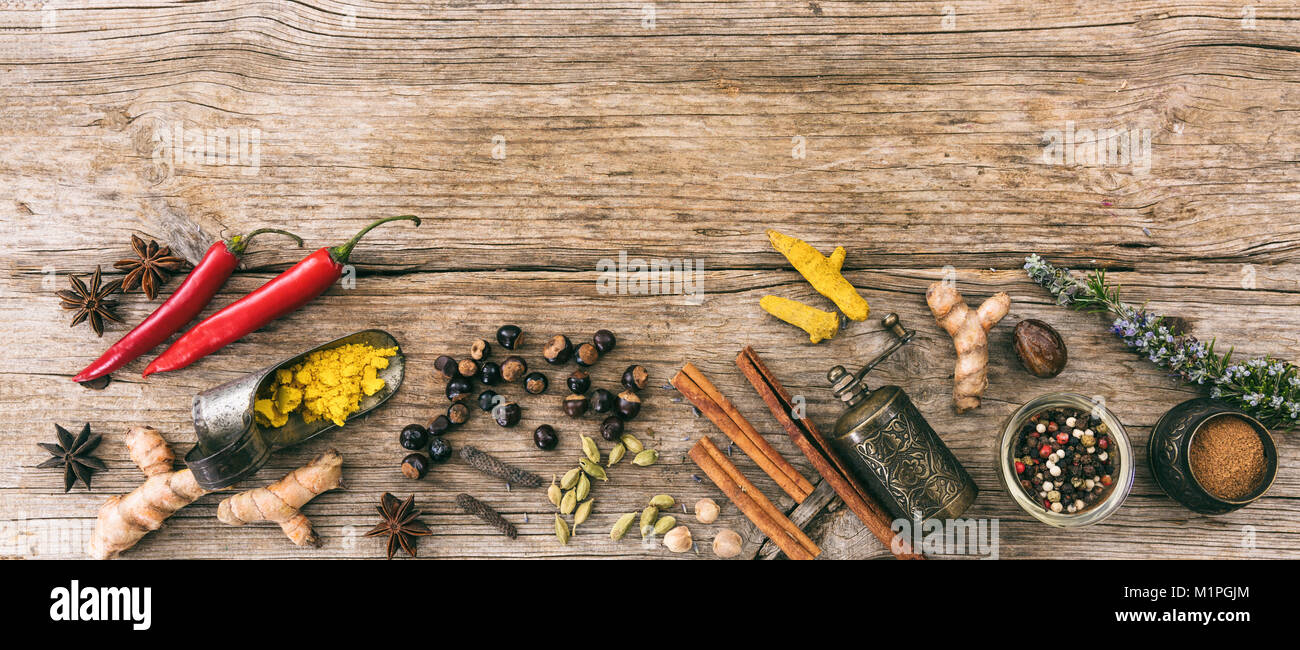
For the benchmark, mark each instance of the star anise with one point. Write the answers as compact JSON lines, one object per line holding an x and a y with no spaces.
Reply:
{"x":91,"y":302}
{"x":400,"y":524}
{"x":150,"y":268}
{"x":73,"y":455}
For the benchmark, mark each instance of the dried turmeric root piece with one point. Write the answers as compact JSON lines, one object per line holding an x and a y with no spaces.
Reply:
{"x":817,"y":323}
{"x":823,"y":273}
{"x":281,"y":501}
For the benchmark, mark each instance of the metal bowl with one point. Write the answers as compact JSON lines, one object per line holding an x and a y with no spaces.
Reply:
{"x":1171,"y":440}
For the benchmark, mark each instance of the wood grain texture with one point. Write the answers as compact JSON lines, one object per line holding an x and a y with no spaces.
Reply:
{"x":539,"y":138}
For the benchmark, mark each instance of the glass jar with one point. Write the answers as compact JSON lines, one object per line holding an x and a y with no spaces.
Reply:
{"x":1121,"y":480}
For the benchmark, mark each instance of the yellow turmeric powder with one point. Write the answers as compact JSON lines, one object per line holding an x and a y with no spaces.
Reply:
{"x":328,"y":384}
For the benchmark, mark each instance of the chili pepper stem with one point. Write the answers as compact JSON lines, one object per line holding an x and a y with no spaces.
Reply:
{"x":238,"y":243}
{"x":341,"y":253}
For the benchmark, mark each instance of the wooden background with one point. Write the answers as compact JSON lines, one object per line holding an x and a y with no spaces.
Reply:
{"x":911,"y":133}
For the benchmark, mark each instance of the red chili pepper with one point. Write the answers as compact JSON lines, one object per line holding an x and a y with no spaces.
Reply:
{"x":184,"y":304}
{"x":282,"y":294}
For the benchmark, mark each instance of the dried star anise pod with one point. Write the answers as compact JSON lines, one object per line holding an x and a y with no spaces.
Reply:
{"x":73,"y":455}
{"x":91,"y":302}
{"x":399,"y":524}
{"x":150,"y":268}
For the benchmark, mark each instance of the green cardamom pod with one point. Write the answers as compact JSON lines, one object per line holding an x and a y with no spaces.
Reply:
{"x":584,"y":487}
{"x":570,"y":479}
{"x":633,"y":445}
{"x":554,"y":493}
{"x":648,"y":517}
{"x":584,"y":511}
{"x":592,"y":469}
{"x":620,"y":527}
{"x":665,"y":524}
{"x":568,"y":502}
{"x":662,"y":501}
{"x":616,"y":454}
{"x":561,"y":530}
{"x":590,"y":449}
{"x":646,"y":458}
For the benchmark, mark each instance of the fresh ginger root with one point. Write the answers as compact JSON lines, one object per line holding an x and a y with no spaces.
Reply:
{"x":823,"y":273}
{"x":124,"y":520}
{"x":969,"y":332}
{"x":817,"y":323}
{"x":280,"y":502}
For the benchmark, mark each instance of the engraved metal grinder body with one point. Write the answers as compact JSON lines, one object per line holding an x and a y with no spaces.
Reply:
{"x":891,"y":449}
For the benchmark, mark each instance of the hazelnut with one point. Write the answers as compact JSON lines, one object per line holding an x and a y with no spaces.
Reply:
{"x":628,"y":405}
{"x":587,"y":355}
{"x":513,"y":368}
{"x":458,"y":413}
{"x":603,"y":401}
{"x":706,"y":511}
{"x":678,"y":540}
{"x":727,"y":543}
{"x":414,"y":466}
{"x":535,"y":383}
{"x":579,"y":382}
{"x":557,"y":350}
{"x":479,"y":350}
{"x":635,"y":377}
{"x":612,"y":429}
{"x":507,"y":415}
{"x":510,"y":336}
{"x":445,"y":367}
{"x":1040,"y":348}
{"x":575,"y":405}
{"x":604,"y":341}
{"x":467,"y":367}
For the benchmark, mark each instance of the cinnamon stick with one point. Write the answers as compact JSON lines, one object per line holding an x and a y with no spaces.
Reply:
{"x":701,"y":392}
{"x":751,"y":502}
{"x":804,"y":433}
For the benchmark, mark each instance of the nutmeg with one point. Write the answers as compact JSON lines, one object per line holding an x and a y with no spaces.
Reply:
{"x":1040,"y":348}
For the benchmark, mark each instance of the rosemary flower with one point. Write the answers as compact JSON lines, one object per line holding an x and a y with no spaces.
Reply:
{"x":1267,"y":388}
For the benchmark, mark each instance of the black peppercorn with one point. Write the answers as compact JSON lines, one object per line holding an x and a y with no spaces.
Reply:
{"x":507,"y":415}
{"x":414,"y":466}
{"x":635,"y":377}
{"x":628,"y":405}
{"x":487,"y":400}
{"x":557,"y":350}
{"x":575,"y":405}
{"x":603,"y":401}
{"x":612,"y":429}
{"x":459,"y":389}
{"x":489,"y":374}
{"x":414,"y":437}
{"x":604,"y":341}
{"x":513,"y":368}
{"x":586,"y":355}
{"x":440,"y":425}
{"x":458,"y":413}
{"x":510,"y":336}
{"x":545,"y":437}
{"x":479,"y":350}
{"x":535,"y":383}
{"x":445,"y":367}
{"x":579,"y":382}
{"x":439,"y":450}
{"x":467,"y":367}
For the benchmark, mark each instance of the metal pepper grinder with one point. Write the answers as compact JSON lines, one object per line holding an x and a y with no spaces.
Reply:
{"x":891,"y":449}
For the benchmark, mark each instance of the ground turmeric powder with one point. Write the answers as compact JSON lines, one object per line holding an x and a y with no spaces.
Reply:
{"x":328,"y":384}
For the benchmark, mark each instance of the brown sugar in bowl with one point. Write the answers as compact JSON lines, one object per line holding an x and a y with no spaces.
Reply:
{"x":1226,"y":474}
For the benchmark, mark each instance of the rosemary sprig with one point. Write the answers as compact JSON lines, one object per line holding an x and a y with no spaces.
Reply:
{"x":1266,"y":388}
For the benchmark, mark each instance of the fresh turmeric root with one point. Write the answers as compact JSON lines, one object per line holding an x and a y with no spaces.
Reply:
{"x":124,"y":520}
{"x":280,"y":502}
{"x":823,"y":273}
{"x":817,"y":323}
{"x":969,"y":332}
